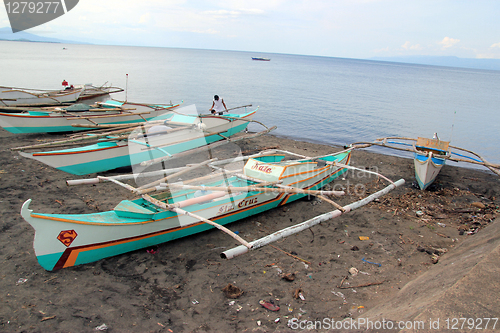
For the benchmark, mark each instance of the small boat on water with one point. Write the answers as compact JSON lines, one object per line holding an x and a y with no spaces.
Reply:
{"x":160,"y":139}
{"x":68,"y":118}
{"x":429,"y":155}
{"x":266,"y":181}
{"x":10,"y":96}
{"x":261,"y":59}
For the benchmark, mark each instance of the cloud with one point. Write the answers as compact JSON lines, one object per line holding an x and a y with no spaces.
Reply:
{"x":448,"y":42}
{"x":223,"y":13}
{"x":495,"y":45}
{"x":145,"y":18}
{"x":386,"y":49}
{"x":408,"y":46}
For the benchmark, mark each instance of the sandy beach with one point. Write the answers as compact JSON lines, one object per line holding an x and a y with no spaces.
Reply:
{"x":178,"y":286}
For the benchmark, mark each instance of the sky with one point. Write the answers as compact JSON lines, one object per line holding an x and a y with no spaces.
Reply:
{"x":359,"y":29}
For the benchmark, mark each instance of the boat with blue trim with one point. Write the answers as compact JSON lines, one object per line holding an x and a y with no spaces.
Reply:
{"x":429,"y":155}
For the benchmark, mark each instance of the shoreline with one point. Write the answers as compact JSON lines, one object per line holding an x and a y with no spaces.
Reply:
{"x":178,"y":288}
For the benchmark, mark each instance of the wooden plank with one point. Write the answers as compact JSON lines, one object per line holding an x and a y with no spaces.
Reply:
{"x":432,"y":144}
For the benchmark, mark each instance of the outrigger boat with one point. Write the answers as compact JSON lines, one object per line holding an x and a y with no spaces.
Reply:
{"x":148,"y":142}
{"x":267,"y":180}
{"x":429,"y":155}
{"x":90,"y":91}
{"x":77,"y":116}
{"x":12,"y":99}
{"x":10,"y":96}
{"x":428,"y":159}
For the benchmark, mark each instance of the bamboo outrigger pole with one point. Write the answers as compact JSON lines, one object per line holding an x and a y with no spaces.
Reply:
{"x":208,"y":146}
{"x":96,"y":180}
{"x":254,"y":188}
{"x":307,"y":224}
{"x":180,"y":211}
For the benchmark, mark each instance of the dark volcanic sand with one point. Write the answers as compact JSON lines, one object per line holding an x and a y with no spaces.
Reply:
{"x":178,"y":288}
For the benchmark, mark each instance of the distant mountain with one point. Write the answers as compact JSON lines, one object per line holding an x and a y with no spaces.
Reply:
{"x":489,"y":64}
{"x":22,"y":36}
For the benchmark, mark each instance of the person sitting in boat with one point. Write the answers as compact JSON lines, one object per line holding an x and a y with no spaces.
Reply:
{"x":65,"y":84}
{"x":217,"y":105}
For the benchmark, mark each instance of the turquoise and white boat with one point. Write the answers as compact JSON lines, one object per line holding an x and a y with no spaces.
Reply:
{"x":115,"y":151}
{"x":65,"y":240}
{"x":76,"y":117}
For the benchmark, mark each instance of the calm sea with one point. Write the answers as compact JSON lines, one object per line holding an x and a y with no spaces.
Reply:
{"x":327,"y":100}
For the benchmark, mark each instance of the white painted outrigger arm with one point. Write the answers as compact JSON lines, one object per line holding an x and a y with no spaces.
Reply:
{"x":234,"y":252}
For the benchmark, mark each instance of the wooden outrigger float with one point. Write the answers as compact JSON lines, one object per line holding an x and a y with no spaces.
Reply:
{"x":267,"y":180}
{"x":144,"y":143}
{"x":430,"y":155}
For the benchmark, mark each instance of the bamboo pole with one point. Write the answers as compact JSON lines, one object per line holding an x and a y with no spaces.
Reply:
{"x":331,"y":202}
{"x":165,"y":171}
{"x":177,"y":174}
{"x":109,"y":116}
{"x":78,"y":117}
{"x":238,"y":107}
{"x":183,"y":212}
{"x":254,"y":188}
{"x":92,"y":135}
{"x":231,"y":253}
{"x":60,"y":110}
{"x":207,"y":147}
{"x":117,"y":182}
{"x":74,"y":140}
{"x":103,"y":127}
{"x":382,"y":143}
{"x":363,"y":170}
{"x":189,"y":138}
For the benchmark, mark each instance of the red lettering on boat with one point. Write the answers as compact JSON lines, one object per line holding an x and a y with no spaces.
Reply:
{"x":263,"y":168}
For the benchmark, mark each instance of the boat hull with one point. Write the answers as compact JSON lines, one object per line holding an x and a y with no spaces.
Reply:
{"x":63,"y":240}
{"x":110,"y":155}
{"x":17,"y":97}
{"x":53,"y":122}
{"x":427,"y":168}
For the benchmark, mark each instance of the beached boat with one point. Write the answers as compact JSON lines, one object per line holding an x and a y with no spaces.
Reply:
{"x":429,"y":155}
{"x":179,"y":209}
{"x":10,"y":96}
{"x":149,"y":142}
{"x":429,"y":159}
{"x":67,"y":119}
{"x":261,"y":59}
{"x":90,"y":91}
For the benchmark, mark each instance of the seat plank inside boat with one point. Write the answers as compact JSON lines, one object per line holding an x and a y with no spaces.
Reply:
{"x":128,"y":208}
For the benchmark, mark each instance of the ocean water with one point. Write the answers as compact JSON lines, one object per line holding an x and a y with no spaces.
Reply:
{"x":332,"y":101}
